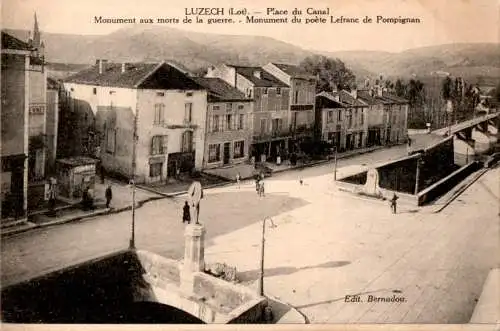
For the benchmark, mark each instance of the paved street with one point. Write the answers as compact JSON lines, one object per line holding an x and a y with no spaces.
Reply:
{"x":326,"y":245}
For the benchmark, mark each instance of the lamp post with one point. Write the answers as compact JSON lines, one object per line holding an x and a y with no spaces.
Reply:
{"x":335,"y":163}
{"x":262,"y":250}
{"x":132,"y":181}
{"x":132,"y":235}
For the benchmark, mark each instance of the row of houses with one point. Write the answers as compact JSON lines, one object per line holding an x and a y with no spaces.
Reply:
{"x":156,"y":120}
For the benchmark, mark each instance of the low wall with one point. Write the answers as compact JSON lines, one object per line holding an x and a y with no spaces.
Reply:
{"x":125,"y":287}
{"x":444,"y":185}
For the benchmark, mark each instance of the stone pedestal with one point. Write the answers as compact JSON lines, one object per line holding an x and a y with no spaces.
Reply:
{"x":194,"y":255}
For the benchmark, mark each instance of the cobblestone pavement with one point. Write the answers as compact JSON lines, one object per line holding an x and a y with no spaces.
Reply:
{"x":326,"y":245}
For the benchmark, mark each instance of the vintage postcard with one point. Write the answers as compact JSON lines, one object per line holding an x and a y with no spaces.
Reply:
{"x":320,"y":164}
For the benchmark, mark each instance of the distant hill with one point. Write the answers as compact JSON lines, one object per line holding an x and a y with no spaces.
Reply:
{"x":196,"y":50}
{"x":467,"y":60}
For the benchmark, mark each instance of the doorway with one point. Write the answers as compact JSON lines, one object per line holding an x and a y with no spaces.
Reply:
{"x":227,"y":147}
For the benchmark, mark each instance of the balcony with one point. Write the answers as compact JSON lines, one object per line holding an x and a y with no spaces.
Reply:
{"x":273,"y":135}
{"x":184,"y":125}
{"x":301,"y":107}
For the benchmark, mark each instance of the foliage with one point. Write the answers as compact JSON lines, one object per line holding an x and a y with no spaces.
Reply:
{"x":332,"y":73}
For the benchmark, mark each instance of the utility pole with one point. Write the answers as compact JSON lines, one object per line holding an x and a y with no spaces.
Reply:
{"x":132,"y":181}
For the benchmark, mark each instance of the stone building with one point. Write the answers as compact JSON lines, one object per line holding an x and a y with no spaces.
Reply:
{"x":271,"y":109}
{"x":155,"y":102}
{"x":15,"y":126}
{"x":228,"y":133}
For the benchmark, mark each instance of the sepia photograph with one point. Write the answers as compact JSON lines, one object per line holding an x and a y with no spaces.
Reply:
{"x":326,"y":164}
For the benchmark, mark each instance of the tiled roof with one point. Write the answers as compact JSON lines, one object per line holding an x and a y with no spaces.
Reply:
{"x":10,"y":42}
{"x":347,"y":98}
{"x":293,"y":70}
{"x":332,"y":102}
{"x":219,"y":90}
{"x":52,"y":84}
{"x":265,"y":80}
{"x":136,"y":75}
{"x":386,"y":98}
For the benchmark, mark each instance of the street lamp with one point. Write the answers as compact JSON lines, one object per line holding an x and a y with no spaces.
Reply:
{"x":335,"y":163}
{"x":132,"y":235}
{"x":262,"y":247}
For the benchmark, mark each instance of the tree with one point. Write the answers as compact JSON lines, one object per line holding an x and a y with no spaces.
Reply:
{"x":332,"y":73}
{"x":400,"y":88}
{"x":447,"y":88}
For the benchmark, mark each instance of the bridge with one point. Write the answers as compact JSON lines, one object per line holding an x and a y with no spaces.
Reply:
{"x":473,"y":137}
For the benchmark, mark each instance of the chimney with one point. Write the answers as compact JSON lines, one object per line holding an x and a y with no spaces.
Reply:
{"x":257,"y":73}
{"x":354,"y":93}
{"x":100,"y":63}
{"x":336,"y":96}
{"x":124,"y":68}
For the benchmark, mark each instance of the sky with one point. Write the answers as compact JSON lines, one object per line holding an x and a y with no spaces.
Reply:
{"x":442,"y":21}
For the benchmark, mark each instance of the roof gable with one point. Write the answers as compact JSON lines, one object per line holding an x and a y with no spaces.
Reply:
{"x":135,"y":75}
{"x":219,"y":90}
{"x":265,"y":80}
{"x":293,"y":70}
{"x":11,"y":42}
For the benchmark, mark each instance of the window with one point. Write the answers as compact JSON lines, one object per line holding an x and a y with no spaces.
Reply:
{"x":278,"y":91}
{"x":94,"y":91}
{"x":214,"y":153}
{"x":110,"y":140}
{"x":189,"y":94}
{"x":188,"y":108}
{"x":187,"y":142}
{"x":277,"y":125}
{"x":159,"y":113}
{"x":296,"y":97}
{"x":349,"y":119}
{"x":155,"y":169}
{"x":229,"y":119}
{"x":229,"y":107}
{"x":239,"y":149}
{"x":112,"y":92}
{"x":159,"y":145}
{"x":339,"y":114}
{"x":241,"y":107}
{"x":241,"y":122}
{"x":362,"y":120}
{"x":264,"y":91}
{"x":160,"y":94}
{"x":263,"y":125}
{"x":215,"y":107}
{"x":215,"y":123}
{"x":329,"y":117}
{"x":249,"y":93}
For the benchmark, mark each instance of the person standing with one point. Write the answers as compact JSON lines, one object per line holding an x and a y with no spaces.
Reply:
{"x":261,"y":188}
{"x":186,"y":213}
{"x":394,"y":202}
{"x":257,"y":185}
{"x":238,"y":178}
{"x":109,"y":195}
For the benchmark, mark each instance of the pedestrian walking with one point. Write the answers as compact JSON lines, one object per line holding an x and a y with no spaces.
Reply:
{"x":301,"y":181}
{"x":238,"y":178}
{"x":261,"y":189}
{"x":394,"y":203}
{"x":109,"y":195}
{"x":186,"y":213}
{"x":257,"y":186}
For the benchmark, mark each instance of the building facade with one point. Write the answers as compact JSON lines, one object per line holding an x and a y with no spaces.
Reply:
{"x":271,"y":108}
{"x":342,"y":119}
{"x":388,"y":119}
{"x":164,"y":109}
{"x":301,"y":99}
{"x":15,"y":126}
{"x":229,"y":130}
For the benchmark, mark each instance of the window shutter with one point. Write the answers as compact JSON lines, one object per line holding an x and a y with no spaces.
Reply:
{"x":164,"y":144}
